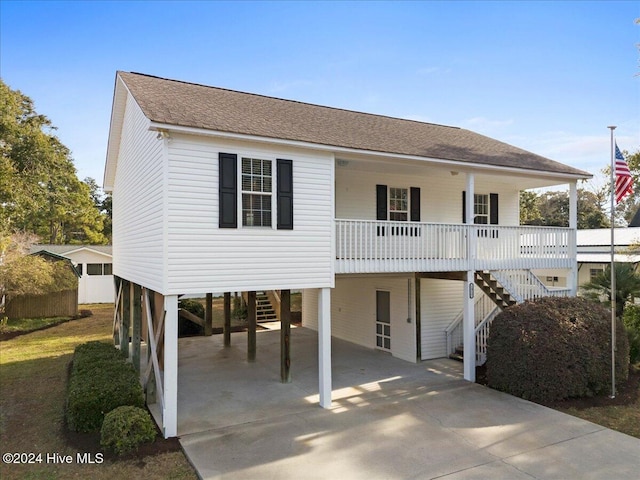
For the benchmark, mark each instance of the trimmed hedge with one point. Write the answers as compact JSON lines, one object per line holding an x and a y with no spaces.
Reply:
{"x":101,"y":380}
{"x":554,"y":348}
{"x":125,"y":428}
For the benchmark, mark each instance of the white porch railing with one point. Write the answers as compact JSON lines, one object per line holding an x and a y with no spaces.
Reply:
{"x":482,"y":307}
{"x":484,"y":312}
{"x":524,"y":285}
{"x":369,"y":246}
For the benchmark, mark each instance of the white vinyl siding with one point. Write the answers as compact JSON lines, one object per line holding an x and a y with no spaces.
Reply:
{"x":353,"y":312}
{"x":440,"y":194}
{"x":138,"y":222}
{"x":202,"y":257}
{"x":440,"y":303}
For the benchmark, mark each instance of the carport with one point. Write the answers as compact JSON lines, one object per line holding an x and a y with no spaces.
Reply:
{"x":218,"y":387}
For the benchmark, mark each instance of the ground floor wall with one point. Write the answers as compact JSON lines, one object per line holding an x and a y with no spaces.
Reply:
{"x":353,"y":311}
{"x":440,"y":304}
{"x":558,"y":277}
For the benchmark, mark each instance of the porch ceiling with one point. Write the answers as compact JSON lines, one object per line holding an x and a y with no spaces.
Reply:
{"x":520,"y":179}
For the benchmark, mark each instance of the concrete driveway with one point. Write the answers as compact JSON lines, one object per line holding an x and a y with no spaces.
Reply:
{"x":390,"y":420}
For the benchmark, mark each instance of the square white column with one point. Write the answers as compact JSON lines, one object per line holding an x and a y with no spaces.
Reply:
{"x":170,"y":410}
{"x":324,"y":346}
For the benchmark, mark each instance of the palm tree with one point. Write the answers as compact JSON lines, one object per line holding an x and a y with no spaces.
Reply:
{"x":627,"y":286}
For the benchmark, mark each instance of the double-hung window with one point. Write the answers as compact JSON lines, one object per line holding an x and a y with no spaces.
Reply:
{"x":256,"y":192}
{"x":398,"y":204}
{"x":481,"y":209}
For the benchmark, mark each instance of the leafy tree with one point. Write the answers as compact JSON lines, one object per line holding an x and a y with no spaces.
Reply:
{"x":22,"y":274}
{"x":529,"y":210}
{"x":102,"y":202}
{"x":552,"y":209}
{"x":627,"y":286}
{"x":39,"y":188}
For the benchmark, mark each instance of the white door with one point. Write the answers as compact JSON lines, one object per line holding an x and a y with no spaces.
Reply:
{"x":383,"y":320}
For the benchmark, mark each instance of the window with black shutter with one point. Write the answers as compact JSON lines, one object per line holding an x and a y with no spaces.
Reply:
{"x":400,"y":205}
{"x":285,"y":194}
{"x":228,"y":190}
{"x":256,"y":190}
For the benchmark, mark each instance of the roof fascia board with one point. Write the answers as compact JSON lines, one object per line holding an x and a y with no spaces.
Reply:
{"x":120,"y":92}
{"x":156,"y":126}
{"x":88,"y":250}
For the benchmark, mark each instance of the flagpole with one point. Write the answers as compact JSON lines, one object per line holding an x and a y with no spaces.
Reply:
{"x":613,"y":275}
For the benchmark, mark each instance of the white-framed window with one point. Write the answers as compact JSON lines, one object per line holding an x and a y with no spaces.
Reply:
{"x":99,"y":269}
{"x":594,"y":272}
{"x":398,"y":204}
{"x":481,"y":209}
{"x":257,"y":192}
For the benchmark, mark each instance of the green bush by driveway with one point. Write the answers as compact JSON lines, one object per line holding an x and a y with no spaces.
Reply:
{"x":554,"y":348}
{"x":101,"y":380}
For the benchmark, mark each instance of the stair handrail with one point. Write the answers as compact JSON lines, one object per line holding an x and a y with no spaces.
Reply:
{"x":507,"y":284}
{"x":508,"y":279}
{"x":485,"y":300}
{"x":482,"y":334}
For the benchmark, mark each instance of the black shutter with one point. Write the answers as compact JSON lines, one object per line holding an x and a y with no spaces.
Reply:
{"x":415,"y":204}
{"x":228,"y":190}
{"x":493,"y":208}
{"x":285,"y":194}
{"x":381,"y":202}
{"x":464,"y":207}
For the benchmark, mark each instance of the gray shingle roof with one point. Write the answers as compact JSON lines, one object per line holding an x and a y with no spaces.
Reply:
{"x":178,"y":103}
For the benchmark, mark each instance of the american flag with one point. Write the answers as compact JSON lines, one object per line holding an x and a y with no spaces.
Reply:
{"x":624,"y":180}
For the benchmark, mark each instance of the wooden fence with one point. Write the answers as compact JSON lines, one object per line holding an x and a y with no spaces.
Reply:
{"x":57,"y":304}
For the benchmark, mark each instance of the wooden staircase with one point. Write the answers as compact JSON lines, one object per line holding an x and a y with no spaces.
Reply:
{"x":265,"y":311}
{"x":496,"y":292}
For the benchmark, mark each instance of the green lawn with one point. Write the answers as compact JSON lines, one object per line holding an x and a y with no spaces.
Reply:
{"x":33,"y":380}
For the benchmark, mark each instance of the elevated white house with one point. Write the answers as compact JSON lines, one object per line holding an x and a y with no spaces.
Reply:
{"x":403,"y":236}
{"x":93,"y":263}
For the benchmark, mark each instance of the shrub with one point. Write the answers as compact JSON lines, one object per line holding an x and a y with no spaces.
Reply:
{"x":239,"y":308}
{"x":631,"y":320}
{"x":192,"y":306}
{"x":125,"y":428}
{"x":554,"y":348}
{"x":100,"y":381}
{"x":187,"y":327}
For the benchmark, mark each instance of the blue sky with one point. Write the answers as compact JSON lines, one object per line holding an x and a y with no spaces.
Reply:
{"x":545,"y":76}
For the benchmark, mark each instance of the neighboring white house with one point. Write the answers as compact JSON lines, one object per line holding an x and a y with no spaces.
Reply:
{"x":402,"y":235}
{"x":94,"y":264}
{"x":594,"y":254}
